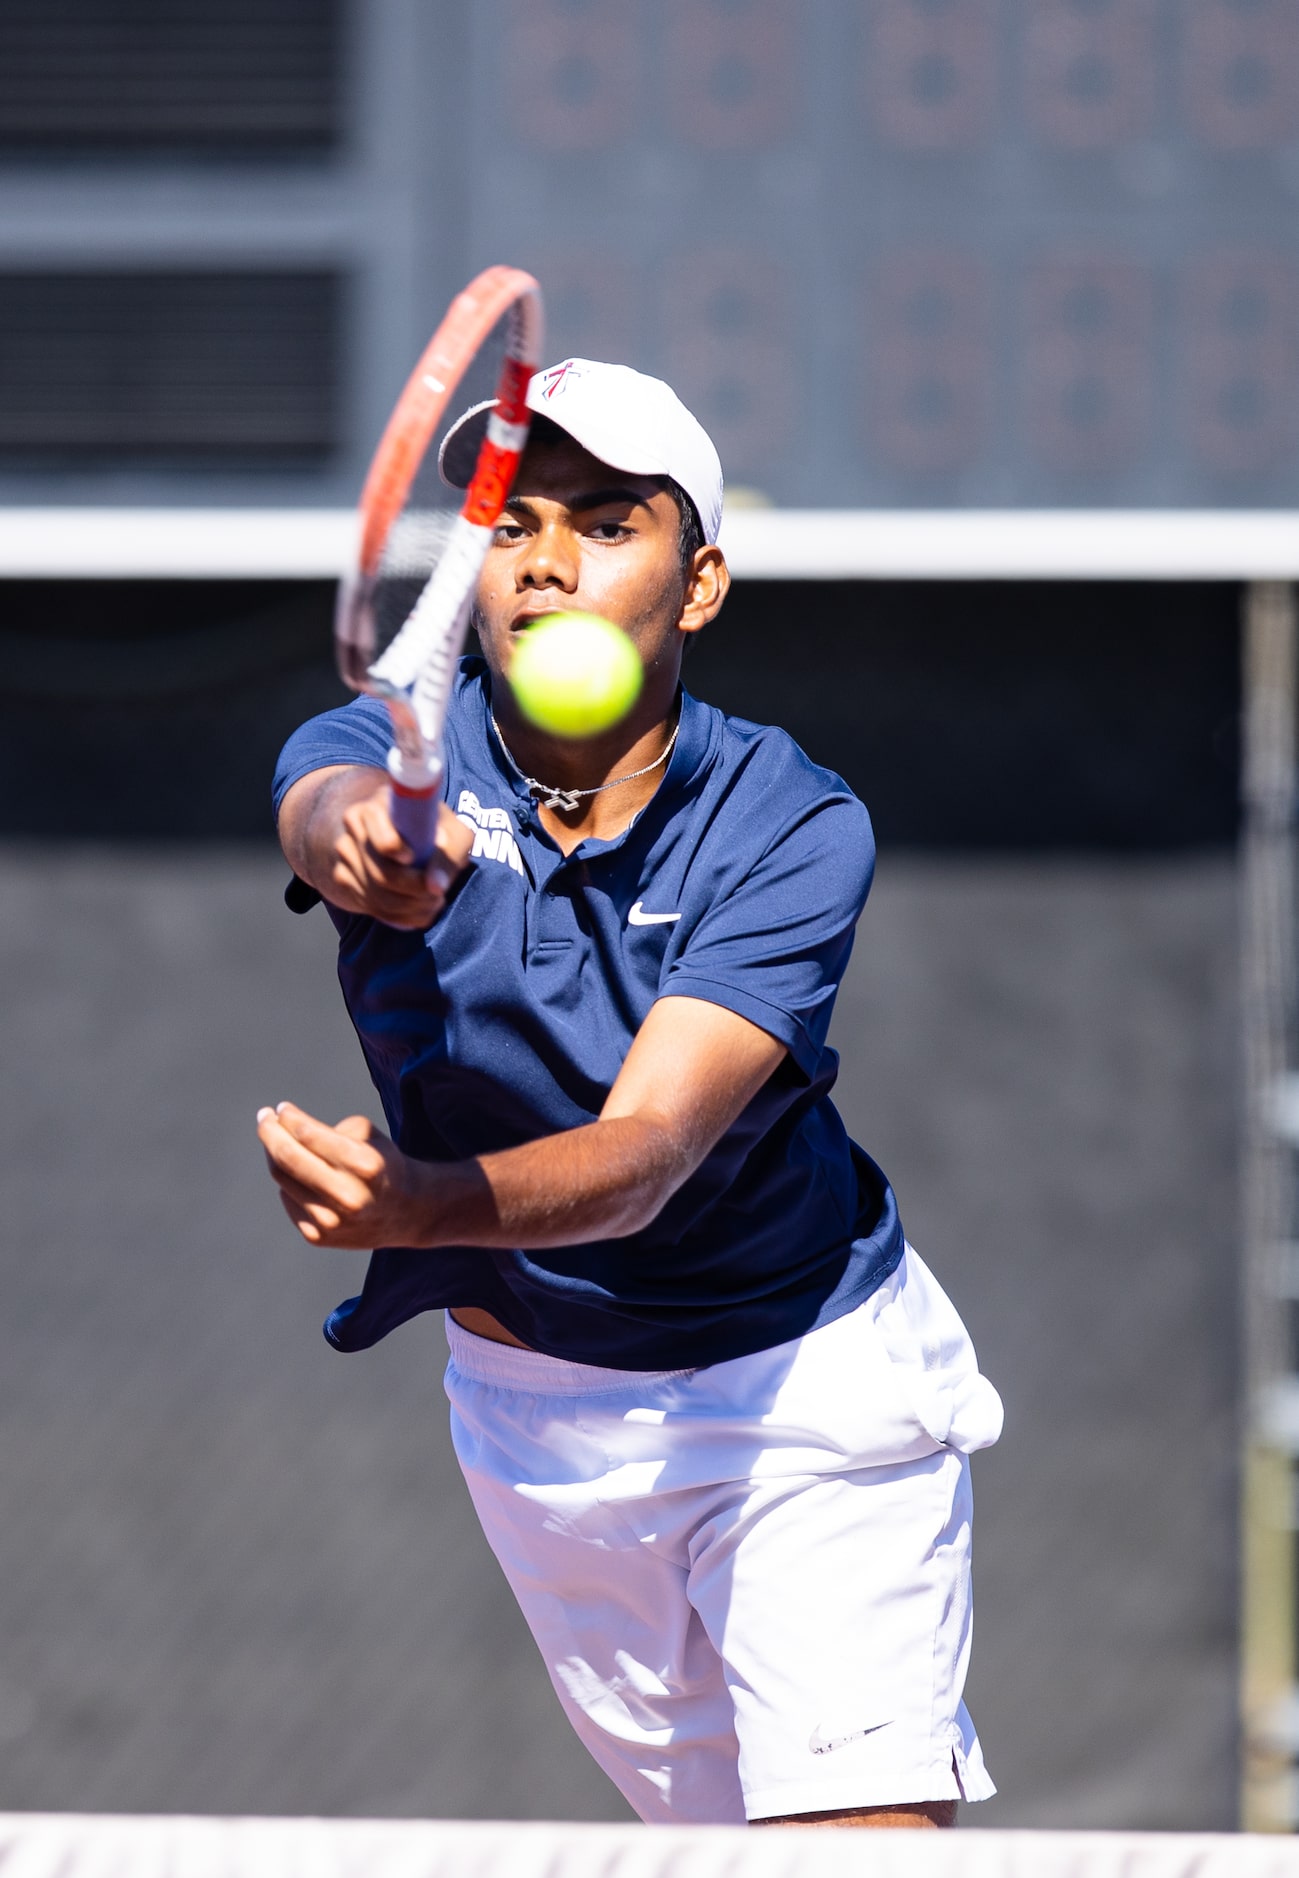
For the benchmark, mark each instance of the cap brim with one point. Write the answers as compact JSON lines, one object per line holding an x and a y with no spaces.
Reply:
{"x":460,"y":446}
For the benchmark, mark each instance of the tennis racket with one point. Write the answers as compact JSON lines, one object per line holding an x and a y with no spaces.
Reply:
{"x":403,"y":610}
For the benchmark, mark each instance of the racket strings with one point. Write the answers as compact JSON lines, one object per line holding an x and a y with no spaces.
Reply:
{"x":403,"y":618}
{"x":417,"y":617}
{"x":416,"y":544}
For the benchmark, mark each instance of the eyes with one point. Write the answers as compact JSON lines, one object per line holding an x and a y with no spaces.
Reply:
{"x":608,"y":531}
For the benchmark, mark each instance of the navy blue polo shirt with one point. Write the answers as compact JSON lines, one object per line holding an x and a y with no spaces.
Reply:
{"x":739,"y":883}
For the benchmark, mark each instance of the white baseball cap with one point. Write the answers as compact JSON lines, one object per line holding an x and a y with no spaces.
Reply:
{"x":628,"y":420}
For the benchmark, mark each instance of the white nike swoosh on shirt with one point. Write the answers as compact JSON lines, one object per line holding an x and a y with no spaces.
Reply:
{"x":819,"y":1743}
{"x":638,"y":916}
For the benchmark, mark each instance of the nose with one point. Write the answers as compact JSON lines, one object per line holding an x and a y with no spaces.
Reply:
{"x":550,"y":559}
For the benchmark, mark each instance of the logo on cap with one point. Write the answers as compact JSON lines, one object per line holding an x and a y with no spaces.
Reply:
{"x":556,"y":379}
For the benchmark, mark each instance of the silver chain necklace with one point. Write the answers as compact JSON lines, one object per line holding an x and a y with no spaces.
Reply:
{"x":566,"y":800}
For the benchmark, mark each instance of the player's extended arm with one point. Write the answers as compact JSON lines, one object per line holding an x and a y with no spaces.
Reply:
{"x":690,"y":1071}
{"x":337,"y":835}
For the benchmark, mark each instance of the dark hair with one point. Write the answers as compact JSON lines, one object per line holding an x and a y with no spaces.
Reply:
{"x":690,"y":531}
{"x":690,"y":534}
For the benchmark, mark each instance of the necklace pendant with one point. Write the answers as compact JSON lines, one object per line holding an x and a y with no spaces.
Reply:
{"x":565,"y":800}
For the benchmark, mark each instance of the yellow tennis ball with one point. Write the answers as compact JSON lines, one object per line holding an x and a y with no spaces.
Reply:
{"x":575,"y":674}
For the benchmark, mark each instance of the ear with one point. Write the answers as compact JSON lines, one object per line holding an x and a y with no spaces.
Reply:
{"x":707,"y":585}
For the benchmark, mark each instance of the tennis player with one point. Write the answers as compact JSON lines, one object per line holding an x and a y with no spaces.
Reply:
{"x":713,"y":1412}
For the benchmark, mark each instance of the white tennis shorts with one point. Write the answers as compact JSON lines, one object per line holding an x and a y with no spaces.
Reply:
{"x":750,"y":1583}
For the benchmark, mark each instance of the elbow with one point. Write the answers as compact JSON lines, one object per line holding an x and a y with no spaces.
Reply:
{"x":637,"y":1213}
{"x":648,"y":1164}
{"x":641,"y":1204}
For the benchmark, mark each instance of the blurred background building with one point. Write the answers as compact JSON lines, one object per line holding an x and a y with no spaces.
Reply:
{"x":893,"y":251}
{"x":900,"y":255}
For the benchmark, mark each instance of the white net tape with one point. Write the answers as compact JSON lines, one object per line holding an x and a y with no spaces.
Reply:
{"x":36,"y":1845}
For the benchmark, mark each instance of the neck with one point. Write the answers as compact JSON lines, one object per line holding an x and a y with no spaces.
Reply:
{"x":561,"y":764}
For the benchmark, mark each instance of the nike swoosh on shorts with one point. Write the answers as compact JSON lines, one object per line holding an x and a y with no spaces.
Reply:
{"x":821,"y":1744}
{"x":639,"y":917}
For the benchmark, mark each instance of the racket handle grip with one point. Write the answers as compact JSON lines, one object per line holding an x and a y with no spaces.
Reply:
{"x":413,"y":798}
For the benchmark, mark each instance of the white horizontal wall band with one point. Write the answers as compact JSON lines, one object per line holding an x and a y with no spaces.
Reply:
{"x":760,"y":544}
{"x":175,"y":544}
{"x":1006,"y":544}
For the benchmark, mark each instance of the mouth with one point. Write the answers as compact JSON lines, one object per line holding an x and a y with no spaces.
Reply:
{"x":521,"y":621}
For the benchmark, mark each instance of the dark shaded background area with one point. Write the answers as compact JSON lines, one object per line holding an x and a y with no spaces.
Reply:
{"x":166,"y":700}
{"x":991,"y":716}
{"x":999,"y":715}
{"x":241,"y":1573}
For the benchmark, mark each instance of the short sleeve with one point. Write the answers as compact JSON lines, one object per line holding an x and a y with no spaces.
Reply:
{"x":354,"y":733}
{"x":773,"y":946}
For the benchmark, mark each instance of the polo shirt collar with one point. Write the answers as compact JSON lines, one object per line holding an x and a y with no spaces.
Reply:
{"x":690,"y":756}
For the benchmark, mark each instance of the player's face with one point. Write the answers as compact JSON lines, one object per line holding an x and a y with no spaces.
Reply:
{"x":579,"y":535}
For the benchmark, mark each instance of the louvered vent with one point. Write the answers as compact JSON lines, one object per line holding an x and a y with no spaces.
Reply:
{"x":168,"y":364}
{"x":168,"y":72}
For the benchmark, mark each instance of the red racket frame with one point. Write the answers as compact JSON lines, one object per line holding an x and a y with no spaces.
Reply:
{"x":415,"y":762}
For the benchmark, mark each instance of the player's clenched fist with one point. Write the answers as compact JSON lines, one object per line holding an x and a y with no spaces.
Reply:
{"x":338,"y":834}
{"x":372,"y":868}
{"x":347,"y":1186}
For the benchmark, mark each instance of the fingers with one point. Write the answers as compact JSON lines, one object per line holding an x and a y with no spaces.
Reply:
{"x":304,"y":1219}
{"x":374,"y":869}
{"x":372,"y":825}
{"x":322,"y":1220}
{"x":314,"y":1157}
{"x":312,"y":1162}
{"x":347,"y":1148}
{"x":347,"y":1186}
{"x":355,"y":1127}
{"x":455,"y":840}
{"x":370,"y":822}
{"x":373,"y":865}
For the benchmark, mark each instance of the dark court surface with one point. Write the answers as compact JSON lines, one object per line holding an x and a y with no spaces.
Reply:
{"x":238,"y":1572}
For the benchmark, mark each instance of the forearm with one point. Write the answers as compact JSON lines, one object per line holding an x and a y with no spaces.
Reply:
{"x":691,"y":1069}
{"x":601,"y":1181}
{"x":311,"y":820}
